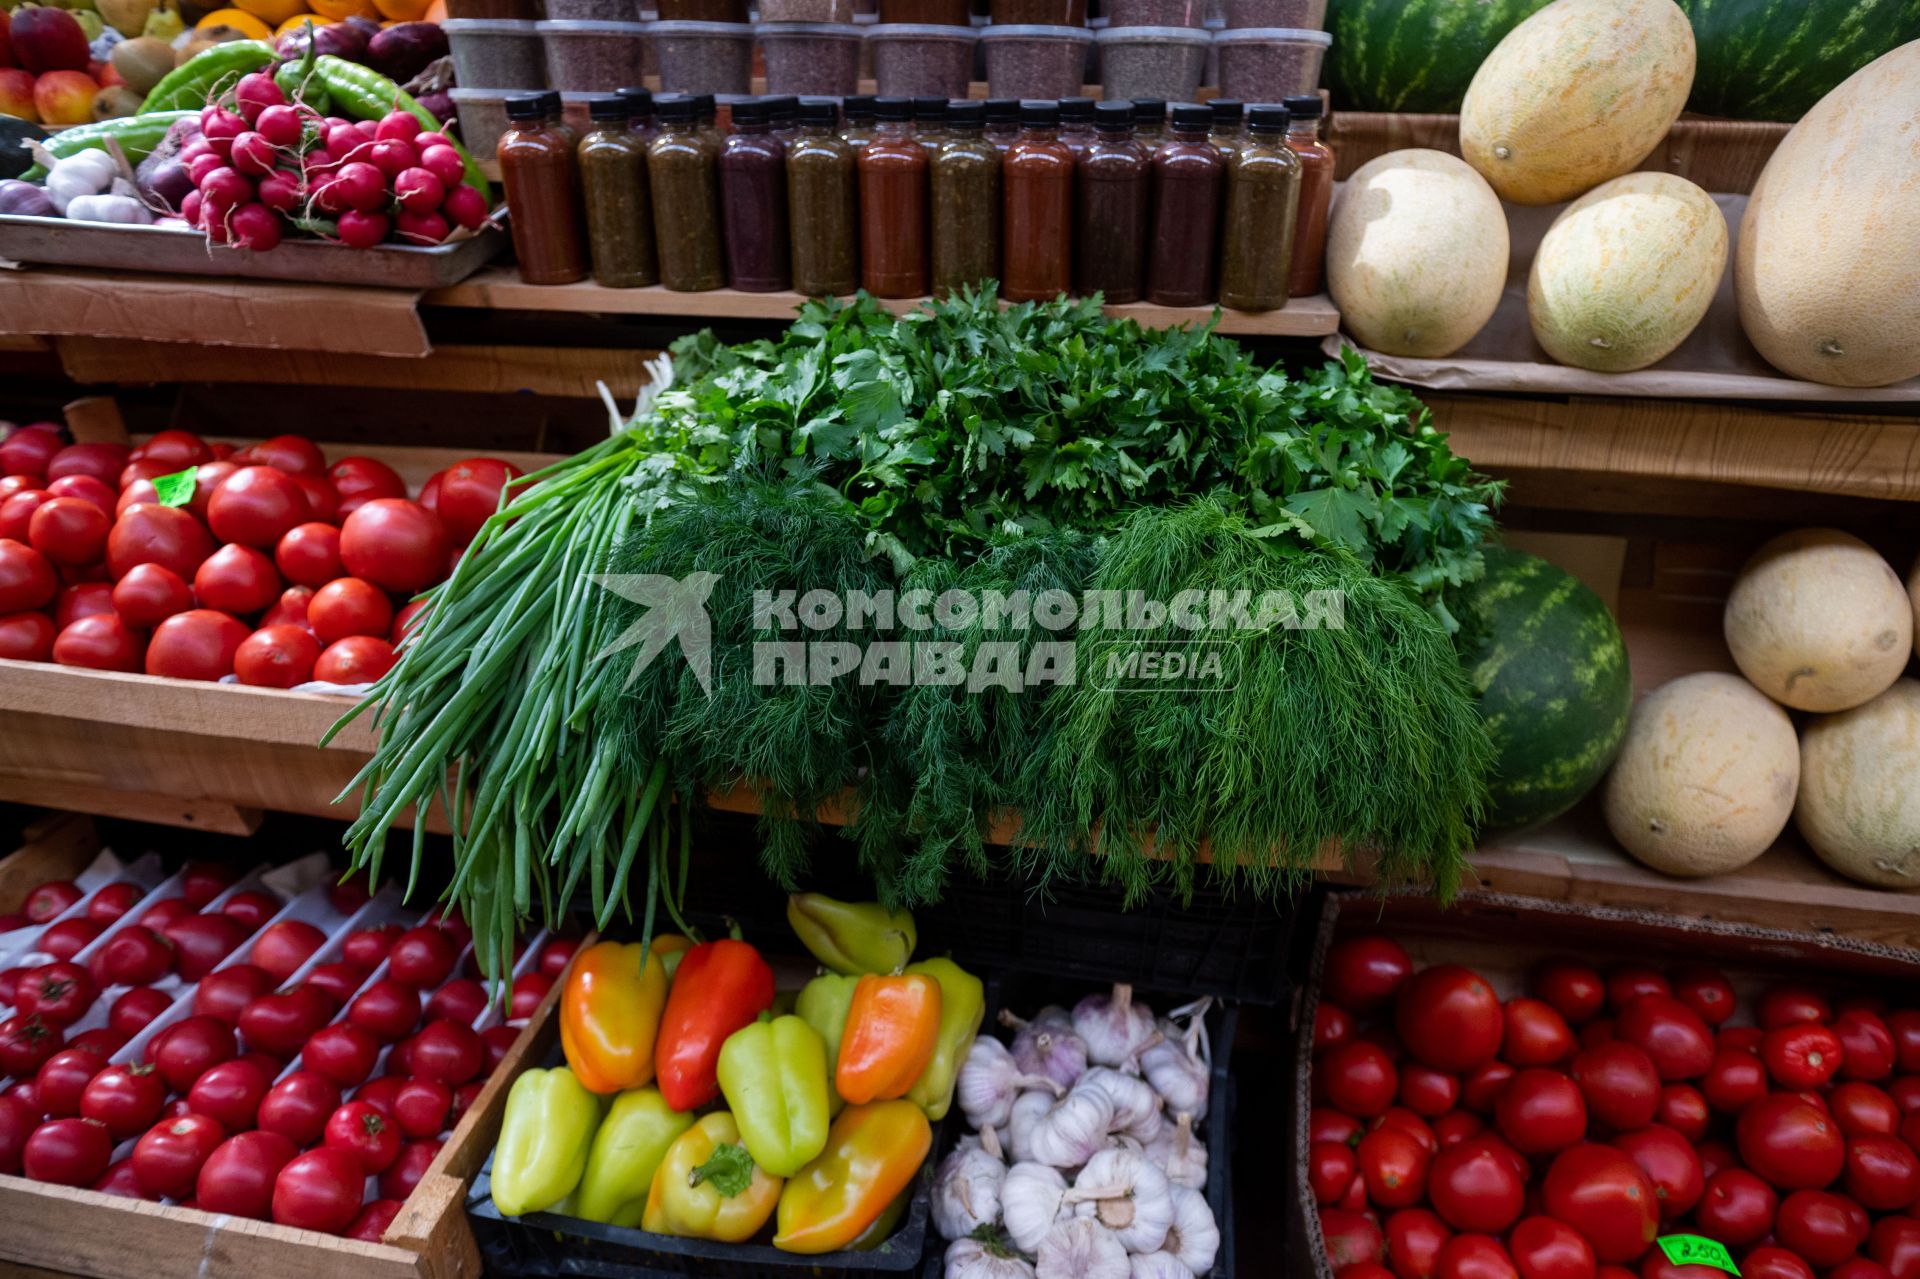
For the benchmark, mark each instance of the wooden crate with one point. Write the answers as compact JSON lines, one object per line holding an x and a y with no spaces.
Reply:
{"x":57,"y":846}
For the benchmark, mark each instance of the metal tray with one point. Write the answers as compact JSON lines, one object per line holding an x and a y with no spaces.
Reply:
{"x":181,"y":250}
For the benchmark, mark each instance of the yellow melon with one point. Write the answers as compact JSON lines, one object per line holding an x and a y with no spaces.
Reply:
{"x":1913,"y":595}
{"x":1626,"y":271}
{"x":1705,"y":780}
{"x":1827,"y":270}
{"x":1581,"y":91}
{"x":1819,"y":621}
{"x":1859,"y":806}
{"x":1416,"y":253}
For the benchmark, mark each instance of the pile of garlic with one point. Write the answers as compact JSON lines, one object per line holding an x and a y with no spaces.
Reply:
{"x":1094,"y":1109}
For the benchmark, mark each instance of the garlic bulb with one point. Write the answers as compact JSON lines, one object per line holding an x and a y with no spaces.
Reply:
{"x":1030,"y":1203}
{"x":1127,"y":1195}
{"x":1159,"y":1265}
{"x":1136,"y":1107}
{"x":1177,"y":1066}
{"x":1073,"y":1130}
{"x":1029,"y":1108}
{"x":1180,"y":1154}
{"x":1115,"y":1027}
{"x":1081,"y":1248}
{"x":966,"y":1190}
{"x":1194,"y":1237}
{"x":975,"y":1259}
{"x":989,"y":1081}
{"x":1048,"y":1045}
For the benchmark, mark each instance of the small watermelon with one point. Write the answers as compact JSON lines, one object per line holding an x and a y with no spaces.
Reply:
{"x":1551,"y":669}
{"x":1413,"y":55}
{"x":1773,"y":59}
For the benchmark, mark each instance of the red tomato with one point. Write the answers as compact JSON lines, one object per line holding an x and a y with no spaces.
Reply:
{"x":206,"y":482}
{"x":69,"y":937}
{"x":1547,"y":1249}
{"x":528,"y":990}
{"x":28,"y":450}
{"x":197,"y":644}
{"x":101,"y":642}
{"x":70,"y":531}
{"x":132,"y":1011}
{"x":251,"y":907}
{"x":1802,"y":1055}
{"x":27,"y":637}
{"x":470,"y":492}
{"x":1426,"y":1091}
{"x":556,"y":955}
{"x":1624,"y":985}
{"x":1414,"y":1239}
{"x":374,"y":1220}
{"x":339,"y":980}
{"x":1905,"y":1027}
{"x":1742,"y":1038}
{"x":366,"y":1134}
{"x":237,"y":579}
{"x":231,"y":1093}
{"x":421,"y":1108}
{"x":350,"y":892}
{"x":225,"y":993}
{"x":27,"y":578}
{"x":1620,"y":1084}
{"x":1671,"y":1165}
{"x":63,"y":1078}
{"x":58,"y":993}
{"x":137,"y":956}
{"x":149,"y":594}
{"x":1455,"y":1127}
{"x":1324,"y":1124}
{"x":1480,"y":1087}
{"x":1895,"y":1244}
{"x":450,"y":923}
{"x":1332,"y":1026}
{"x":368,"y":946}
{"x":1449,"y":1018}
{"x":398,"y":1181}
{"x":1883,"y":1175}
{"x":309,"y":554}
{"x":148,"y":533}
{"x":67,"y":1152}
{"x":1861,"y":1108}
{"x":293,"y":454}
{"x":496,"y":1040}
{"x":285,"y":946}
{"x":359,"y":480}
{"x":26,"y":1043}
{"x":18,"y":1119}
{"x":281,"y":1024}
{"x":1707,"y":992}
{"x":1475,"y":1256}
{"x":1768,"y":1262}
{"x":17,"y":510}
{"x":1817,"y":1226}
{"x":1684,"y":1109}
{"x":113,"y":901}
{"x":257,"y":506}
{"x":399,"y":546}
{"x":127,"y":1099}
{"x":290,"y":609}
{"x":174,"y":449}
{"x":238,"y":1177}
{"x":167,"y":1160}
{"x":1789,"y":1006}
{"x":202,"y":941}
{"x":424,"y":957}
{"x":323,"y":504}
{"x":1394,"y":1164}
{"x":102,"y":460}
{"x":1541,"y":1111}
{"x":1536,"y":1035}
{"x":201,"y":882}
{"x":87,"y":489}
{"x":1358,"y":1078}
{"x":1475,"y":1185}
{"x":349,"y":606}
{"x":406,"y":621}
{"x":1413,"y":1125}
{"x":448,"y":1051}
{"x":343,"y":1053}
{"x":1735,"y":1078}
{"x":1351,"y":1238}
{"x":1790,"y":1142}
{"x":276,"y":657}
{"x":1602,"y":1193}
{"x":1656,"y":1266}
{"x":1866,"y":1043}
{"x":298,"y":1106}
{"x":380,"y":1093}
{"x":189,"y":1048}
{"x":1736,"y":1208}
{"x":1673,"y":1035}
{"x":1857,"y":1267}
{"x":358,"y":659}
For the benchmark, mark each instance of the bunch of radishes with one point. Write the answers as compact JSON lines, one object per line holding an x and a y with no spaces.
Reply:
{"x":263,"y":164}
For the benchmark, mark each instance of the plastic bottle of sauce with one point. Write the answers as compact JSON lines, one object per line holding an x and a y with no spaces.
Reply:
{"x":539,"y":170}
{"x":1149,"y":122}
{"x":930,"y":123}
{"x":753,"y":200}
{"x":640,"y":109}
{"x":1316,"y":195}
{"x":783,"y":116}
{"x":1038,"y":181}
{"x":613,"y":186}
{"x":893,"y":205}
{"x":858,"y":129}
{"x":706,"y":114}
{"x":556,"y":112}
{"x":686,"y":201}
{"x":1263,"y":195}
{"x":1111,"y":184}
{"x":1226,"y":131}
{"x":1003,"y":122}
{"x":966,"y":202}
{"x":824,"y":199}
{"x":1187,"y":173}
{"x":1076,"y":124}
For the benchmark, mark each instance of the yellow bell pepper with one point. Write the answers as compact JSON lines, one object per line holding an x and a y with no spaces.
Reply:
{"x":633,"y":1139}
{"x":774,"y":1077}
{"x":852,"y":937}
{"x":872,"y":1153}
{"x":544,"y":1136}
{"x":889,"y":1038}
{"x":708,"y":1186}
{"x":963,"y":1004}
{"x":610,"y":1013}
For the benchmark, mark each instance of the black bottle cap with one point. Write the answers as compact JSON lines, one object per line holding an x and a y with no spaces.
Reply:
{"x":1189,"y":116}
{"x":859,"y":106}
{"x":1040,"y":113}
{"x":1307,"y":106}
{"x":639,"y":101}
{"x":819,"y":111}
{"x":676,"y":109}
{"x":1149,"y":111}
{"x":704,"y":106}
{"x":609,"y":106}
{"x":782,"y":106}
{"x":527,"y":106}
{"x":1226,"y":110}
{"x":1000,"y":110}
{"x":752,"y":111}
{"x":967,"y":115}
{"x":1113,"y":117}
{"x":929,"y":108}
{"x":1076,"y":110}
{"x":1267,"y":118}
{"x":893,"y":109}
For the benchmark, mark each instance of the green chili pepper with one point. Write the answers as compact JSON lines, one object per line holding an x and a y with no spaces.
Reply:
{"x":365,"y":94}
{"x":137,"y":135}
{"x":201,"y":78}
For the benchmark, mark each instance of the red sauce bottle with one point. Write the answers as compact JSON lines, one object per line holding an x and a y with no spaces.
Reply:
{"x":753,"y":202}
{"x":1187,"y":173}
{"x":541,"y":174}
{"x":1036,"y":182}
{"x":1316,"y":195}
{"x":894,"y":257}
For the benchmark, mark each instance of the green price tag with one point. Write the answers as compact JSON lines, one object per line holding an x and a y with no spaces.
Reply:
{"x":1696,"y":1250}
{"x":176,"y":489}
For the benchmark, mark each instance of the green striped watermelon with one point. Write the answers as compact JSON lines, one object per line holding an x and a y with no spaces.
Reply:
{"x":1551,"y":671}
{"x":1413,"y":55}
{"x":1773,"y":59}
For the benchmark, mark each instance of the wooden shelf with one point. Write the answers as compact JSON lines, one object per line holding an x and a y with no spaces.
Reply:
{"x":501,"y":288}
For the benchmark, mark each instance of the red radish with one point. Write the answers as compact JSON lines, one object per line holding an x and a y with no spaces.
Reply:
{"x":361,"y":230}
{"x":343,"y":140}
{"x":418,"y":190}
{"x":421,"y":228}
{"x":224,"y":189}
{"x":444,"y":162}
{"x":252,"y":154}
{"x":280,"y":191}
{"x":279,"y":124}
{"x":255,"y":93}
{"x":254,"y":226}
{"x":393,"y":156}
{"x":360,"y":186}
{"x":465,"y":206}
{"x":401,"y":125}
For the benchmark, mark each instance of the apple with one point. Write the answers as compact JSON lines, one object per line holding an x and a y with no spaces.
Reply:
{"x":48,"y":39}
{"x":6,"y":41}
{"x":64,"y":97}
{"x":16,"y":93}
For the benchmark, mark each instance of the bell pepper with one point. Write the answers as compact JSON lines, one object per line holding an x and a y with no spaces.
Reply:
{"x":889,"y":1039}
{"x":872,"y":1154}
{"x":852,"y":937}
{"x":544,"y":1137}
{"x":823,"y":1005}
{"x":708,"y":1186}
{"x":627,"y":1151}
{"x":774,"y":1077}
{"x":963,"y":1004}
{"x":720,"y":987}
{"x":609,"y":1014}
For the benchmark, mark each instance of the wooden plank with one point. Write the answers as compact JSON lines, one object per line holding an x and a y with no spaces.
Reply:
{"x":59,"y":849}
{"x":214,"y":816}
{"x":502,"y":289}
{"x":96,"y":419}
{"x":230,"y":712}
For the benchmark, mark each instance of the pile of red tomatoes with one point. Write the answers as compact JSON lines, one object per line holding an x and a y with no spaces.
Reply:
{"x":266,"y":563}
{"x":1557,"y":1134}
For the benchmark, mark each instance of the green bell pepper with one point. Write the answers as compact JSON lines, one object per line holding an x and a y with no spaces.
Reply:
{"x":852,"y":937}
{"x":544,"y":1137}
{"x":774,"y":1077}
{"x":823,"y":1005}
{"x":963,"y":1003}
{"x":627,"y":1151}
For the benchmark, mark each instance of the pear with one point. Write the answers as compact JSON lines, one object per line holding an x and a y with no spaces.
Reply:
{"x":128,"y":17}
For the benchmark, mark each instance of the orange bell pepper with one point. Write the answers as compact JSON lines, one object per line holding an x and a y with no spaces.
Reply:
{"x":872,"y":1153}
{"x":893,"y":1026}
{"x":610,"y":1013}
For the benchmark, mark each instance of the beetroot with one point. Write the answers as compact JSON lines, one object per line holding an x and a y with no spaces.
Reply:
{"x":439,"y":104}
{"x":162,"y":177}
{"x":402,"y":51}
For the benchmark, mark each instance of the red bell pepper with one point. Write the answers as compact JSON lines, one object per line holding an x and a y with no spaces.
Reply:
{"x":719,"y":987}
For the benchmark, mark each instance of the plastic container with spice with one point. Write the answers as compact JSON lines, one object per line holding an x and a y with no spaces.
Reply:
{"x":1152,"y":62}
{"x":1316,"y":194}
{"x":1157,"y":13}
{"x":685,"y":187}
{"x":913,"y":58}
{"x":593,"y":10}
{"x":1035,"y":61}
{"x":704,"y":57}
{"x":1112,"y":182}
{"x":1309,"y":15}
{"x":1038,"y":13}
{"x":1262,"y":203}
{"x":483,"y":118}
{"x":1266,"y":64}
{"x":753,"y":202}
{"x":939,"y":13}
{"x":490,"y":53}
{"x":1188,"y":174}
{"x":965,"y":175}
{"x":515,"y":10}
{"x":823,"y":200}
{"x":701,"y":10}
{"x":821,"y":58}
{"x":806,"y":10}
{"x":613,"y":186}
{"x":593,"y":57}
